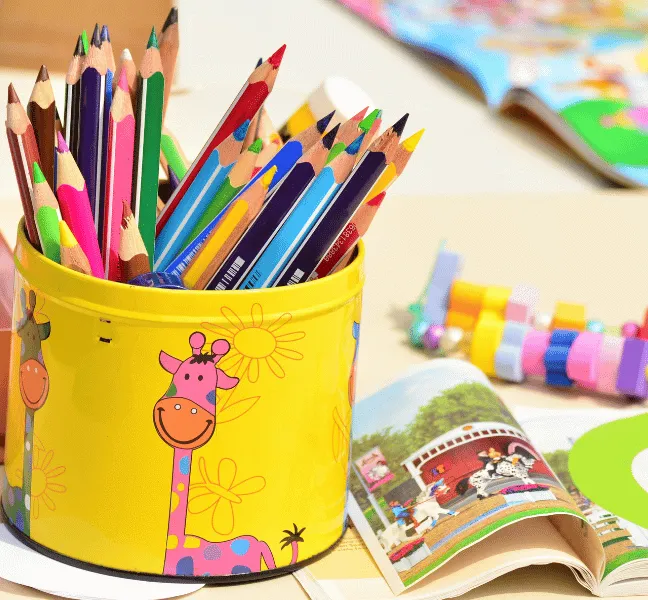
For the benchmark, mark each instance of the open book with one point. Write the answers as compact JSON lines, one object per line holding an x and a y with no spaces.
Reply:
{"x":448,"y":491}
{"x":580,"y":66}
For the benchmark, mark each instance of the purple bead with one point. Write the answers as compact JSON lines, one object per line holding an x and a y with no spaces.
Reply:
{"x":432,"y":336}
{"x":630,"y":330}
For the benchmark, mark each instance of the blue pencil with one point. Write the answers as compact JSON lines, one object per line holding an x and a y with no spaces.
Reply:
{"x":300,"y":220}
{"x":93,"y":92}
{"x":106,"y":48}
{"x":184,"y":218}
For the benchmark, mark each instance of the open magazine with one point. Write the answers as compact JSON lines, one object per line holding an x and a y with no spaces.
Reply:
{"x":448,"y":491}
{"x":579,"y":65}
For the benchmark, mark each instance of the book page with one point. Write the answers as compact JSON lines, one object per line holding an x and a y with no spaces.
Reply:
{"x":438,"y":464}
{"x":349,"y":573}
{"x":625,"y":543}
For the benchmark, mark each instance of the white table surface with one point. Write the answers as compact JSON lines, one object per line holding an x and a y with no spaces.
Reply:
{"x":580,"y":246}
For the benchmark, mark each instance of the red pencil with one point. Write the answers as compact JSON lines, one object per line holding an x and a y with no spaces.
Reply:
{"x":246,"y":104}
{"x":119,"y":173}
{"x":24,"y":153}
{"x":73,"y":199}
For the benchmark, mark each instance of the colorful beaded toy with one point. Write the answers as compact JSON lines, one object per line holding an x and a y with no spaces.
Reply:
{"x":500,"y":332}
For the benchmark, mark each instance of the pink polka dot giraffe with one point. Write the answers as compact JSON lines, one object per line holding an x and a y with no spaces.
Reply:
{"x":185,"y":419}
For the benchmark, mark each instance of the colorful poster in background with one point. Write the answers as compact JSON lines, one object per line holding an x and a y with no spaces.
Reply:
{"x":374,"y":469}
{"x":583,"y":64}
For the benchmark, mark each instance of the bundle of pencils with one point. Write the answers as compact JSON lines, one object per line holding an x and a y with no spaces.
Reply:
{"x":253,"y":210}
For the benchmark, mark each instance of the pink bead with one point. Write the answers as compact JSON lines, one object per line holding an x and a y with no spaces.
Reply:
{"x":534,"y":348}
{"x":630,"y":329}
{"x":432,"y":336}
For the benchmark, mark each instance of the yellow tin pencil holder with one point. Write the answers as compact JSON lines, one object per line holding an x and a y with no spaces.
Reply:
{"x":169,"y":433}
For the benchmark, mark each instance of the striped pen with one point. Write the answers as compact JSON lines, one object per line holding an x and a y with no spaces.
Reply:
{"x":233,"y":184}
{"x":90,"y":154}
{"x":72,"y":194}
{"x":301,"y":219}
{"x":272,"y":215}
{"x":150,"y":98}
{"x":119,"y":173}
{"x":332,"y":221}
{"x":246,"y":104}
{"x":175,"y":234}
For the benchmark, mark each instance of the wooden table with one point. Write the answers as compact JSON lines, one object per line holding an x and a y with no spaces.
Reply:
{"x":586,"y":248}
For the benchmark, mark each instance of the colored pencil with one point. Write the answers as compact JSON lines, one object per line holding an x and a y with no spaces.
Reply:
{"x":342,"y":248}
{"x":336,"y":215}
{"x":169,"y":42}
{"x":172,"y":155}
{"x":370,"y":125}
{"x":349,"y":131}
{"x":72,"y":193}
{"x":90,"y":155}
{"x":73,"y":98}
{"x":106,"y":48}
{"x":41,"y":110}
{"x":397,"y":166}
{"x":204,"y":187}
{"x":233,"y":184}
{"x":276,"y":209}
{"x":246,"y":104}
{"x":72,"y":255}
{"x":46,"y":213}
{"x":253,"y":130}
{"x":86,"y":42}
{"x":126,"y":63}
{"x":304,"y":215}
{"x":24,"y":153}
{"x":150,"y":97}
{"x":119,"y":172}
{"x":272,"y":141}
{"x":174,"y":180}
{"x":219,"y":244}
{"x":133,"y":260}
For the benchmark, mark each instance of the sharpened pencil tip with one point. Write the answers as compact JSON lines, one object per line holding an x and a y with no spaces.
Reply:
{"x":105,"y":34}
{"x":43,"y":75}
{"x":266,"y":180}
{"x":259,"y":63}
{"x":123,"y":81}
{"x":399,"y":126}
{"x":38,"y":174}
{"x":377,"y":200}
{"x":79,"y":50}
{"x":411,"y":142}
{"x":172,"y":18}
{"x":359,"y":116}
{"x":86,"y":44}
{"x":329,"y":138}
{"x":62,"y":146}
{"x":126,"y":54}
{"x":12,"y":97}
{"x":322,"y":124}
{"x":354,"y":146}
{"x":67,"y":238}
{"x":275,"y":59}
{"x":126,"y":214}
{"x":256,"y":146}
{"x":367,"y":123}
{"x":96,"y":37}
{"x":152,"y":41}
{"x":239,"y":134}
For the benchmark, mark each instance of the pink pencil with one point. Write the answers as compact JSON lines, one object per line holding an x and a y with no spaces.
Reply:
{"x":119,"y":173}
{"x":75,"y":206}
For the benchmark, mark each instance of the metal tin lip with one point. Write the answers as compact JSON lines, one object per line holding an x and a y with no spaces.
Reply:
{"x":133,"y":303}
{"x":217,"y":580}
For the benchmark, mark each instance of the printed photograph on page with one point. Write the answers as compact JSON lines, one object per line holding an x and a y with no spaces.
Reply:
{"x":439,"y":463}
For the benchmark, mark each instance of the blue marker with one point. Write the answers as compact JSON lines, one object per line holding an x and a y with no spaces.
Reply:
{"x":300,"y":220}
{"x":203,"y":188}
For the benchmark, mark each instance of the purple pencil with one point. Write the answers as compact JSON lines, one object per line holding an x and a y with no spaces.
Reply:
{"x":93,"y":92}
{"x":272,"y":215}
{"x":342,"y":208}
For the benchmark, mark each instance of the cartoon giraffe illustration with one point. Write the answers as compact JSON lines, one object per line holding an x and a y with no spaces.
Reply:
{"x":185,"y":419}
{"x":33,"y":381}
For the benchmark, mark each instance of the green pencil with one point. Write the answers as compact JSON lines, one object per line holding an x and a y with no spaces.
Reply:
{"x":173,"y":155}
{"x":150,"y":99}
{"x":85,"y":41}
{"x":46,"y":213}
{"x":364,"y":126}
{"x":234,"y":182}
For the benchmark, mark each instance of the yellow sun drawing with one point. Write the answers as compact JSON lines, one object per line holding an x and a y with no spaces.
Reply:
{"x":258,"y":345}
{"x":221,"y":494}
{"x":44,"y":477}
